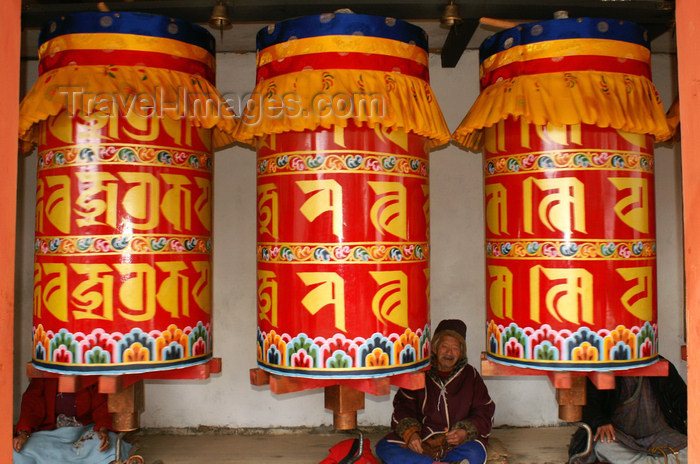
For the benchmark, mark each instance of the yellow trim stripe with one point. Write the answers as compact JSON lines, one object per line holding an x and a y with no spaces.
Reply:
{"x":566,"y":47}
{"x":136,"y":43}
{"x":343,"y":44}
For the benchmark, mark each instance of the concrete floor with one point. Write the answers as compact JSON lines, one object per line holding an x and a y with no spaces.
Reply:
{"x":546,"y":445}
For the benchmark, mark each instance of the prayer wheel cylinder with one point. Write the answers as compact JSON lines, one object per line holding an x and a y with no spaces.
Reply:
{"x":570,"y":247}
{"x":569,"y":195}
{"x":122,"y":273}
{"x":343,"y":252}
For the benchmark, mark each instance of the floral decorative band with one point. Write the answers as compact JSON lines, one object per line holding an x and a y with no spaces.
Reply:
{"x":130,"y":244}
{"x":571,"y":249}
{"x":575,"y":159}
{"x":343,"y":252}
{"x":582,"y":348}
{"x":124,"y":154}
{"x":100,"y":351}
{"x":338,"y":356}
{"x":356,"y":161}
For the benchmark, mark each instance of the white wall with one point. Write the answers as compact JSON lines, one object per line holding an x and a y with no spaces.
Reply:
{"x":457,"y":273}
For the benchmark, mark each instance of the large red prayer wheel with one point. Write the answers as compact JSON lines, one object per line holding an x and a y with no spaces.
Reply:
{"x":567,"y":118}
{"x":122,"y":273}
{"x":343,"y":252}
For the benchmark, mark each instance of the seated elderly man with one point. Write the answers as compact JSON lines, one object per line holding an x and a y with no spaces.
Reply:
{"x":643,"y":420}
{"x":450,"y":419}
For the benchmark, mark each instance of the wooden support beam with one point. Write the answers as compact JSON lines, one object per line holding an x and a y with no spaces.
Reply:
{"x":281,"y":384}
{"x":602,"y":380}
{"x":494,"y":369}
{"x":197,"y":372}
{"x":259,"y":377}
{"x":125,"y":393}
{"x":74,"y":383}
{"x":571,"y":386}
{"x":215,"y":365}
{"x":376,"y":387}
{"x":345,"y":402}
{"x":34,"y":373}
{"x":115,"y":383}
{"x":409,"y":381}
{"x":561,"y":379}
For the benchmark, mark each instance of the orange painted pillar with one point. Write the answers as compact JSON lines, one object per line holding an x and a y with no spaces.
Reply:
{"x":687,"y":28}
{"x":9,"y":95}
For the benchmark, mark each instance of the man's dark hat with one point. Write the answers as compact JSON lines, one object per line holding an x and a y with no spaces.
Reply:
{"x":454,"y":328}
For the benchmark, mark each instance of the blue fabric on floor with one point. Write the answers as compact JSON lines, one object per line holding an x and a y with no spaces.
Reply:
{"x":68,"y":445}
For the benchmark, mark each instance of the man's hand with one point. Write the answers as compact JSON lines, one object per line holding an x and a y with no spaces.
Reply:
{"x":456,"y":437}
{"x":415,"y":443}
{"x":19,"y":440}
{"x":103,"y":435}
{"x":605,"y":433}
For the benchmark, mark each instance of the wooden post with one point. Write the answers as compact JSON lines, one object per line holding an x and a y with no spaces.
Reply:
{"x":687,"y":29}
{"x":9,"y":95}
{"x":572,"y":400}
{"x":345,"y":397}
{"x":345,"y":402}
{"x":126,"y":405}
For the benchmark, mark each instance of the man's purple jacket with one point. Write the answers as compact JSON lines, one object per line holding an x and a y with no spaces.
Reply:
{"x":459,"y":401}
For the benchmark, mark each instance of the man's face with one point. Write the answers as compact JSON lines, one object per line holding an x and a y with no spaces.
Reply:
{"x":448,"y":352}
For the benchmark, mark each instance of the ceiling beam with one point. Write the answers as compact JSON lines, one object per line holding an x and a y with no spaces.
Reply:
{"x":36,"y":12}
{"x":456,"y":42}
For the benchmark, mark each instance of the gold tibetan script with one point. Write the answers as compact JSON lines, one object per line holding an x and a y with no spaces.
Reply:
{"x":137,"y":293}
{"x":327,"y":196}
{"x":57,"y":206}
{"x":93,"y":293}
{"x":561,"y":210}
{"x":426,"y":272}
{"x":141,"y":201}
{"x":566,"y":300}
{"x":390,"y":303}
{"x":638,"y":140}
{"x":202,"y":205}
{"x":64,"y":125}
{"x":176,"y":201}
{"x":51,"y":290}
{"x":633,"y":209}
{"x":96,"y":211}
{"x":639,"y":299}
{"x":426,"y":204}
{"x":267,"y":297}
{"x":501,"y":291}
{"x":329,"y":289}
{"x":201,"y":292}
{"x":173,"y":292}
{"x":495,"y":136}
{"x":496,"y":208}
{"x":560,"y":135}
{"x":268,"y":210}
{"x":398,"y":137}
{"x":388,"y":213}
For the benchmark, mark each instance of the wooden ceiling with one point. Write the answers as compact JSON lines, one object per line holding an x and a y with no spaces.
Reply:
{"x":656,"y":15}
